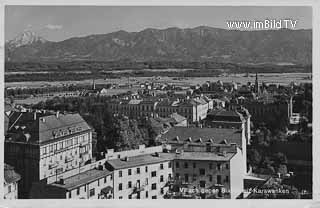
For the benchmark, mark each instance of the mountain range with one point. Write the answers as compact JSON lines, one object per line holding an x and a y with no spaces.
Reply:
{"x":172,"y":44}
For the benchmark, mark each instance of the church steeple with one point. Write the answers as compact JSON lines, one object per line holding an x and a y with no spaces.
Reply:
{"x":93,"y":85}
{"x":256,"y":85}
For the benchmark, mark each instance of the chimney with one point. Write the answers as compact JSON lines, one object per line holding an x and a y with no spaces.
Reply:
{"x":35,"y":115}
{"x":61,"y":181}
{"x":57,"y":114}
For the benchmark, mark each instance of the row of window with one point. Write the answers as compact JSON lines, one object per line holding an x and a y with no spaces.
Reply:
{"x":138,"y":170}
{"x":91,"y":191}
{"x":194,"y":165}
{"x":62,"y":145}
{"x":194,"y":178}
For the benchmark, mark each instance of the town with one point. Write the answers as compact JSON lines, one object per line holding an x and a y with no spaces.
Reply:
{"x":211,"y":140}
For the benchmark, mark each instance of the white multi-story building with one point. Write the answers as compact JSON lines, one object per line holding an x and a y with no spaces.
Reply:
{"x":42,"y":146}
{"x":142,"y":176}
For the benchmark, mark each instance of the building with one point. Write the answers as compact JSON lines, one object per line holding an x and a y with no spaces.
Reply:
{"x":133,"y":108}
{"x":141,"y":176}
{"x":179,"y":137}
{"x":11,"y":179}
{"x":217,"y":171}
{"x":96,"y":183}
{"x":42,"y":145}
{"x":232,"y":119}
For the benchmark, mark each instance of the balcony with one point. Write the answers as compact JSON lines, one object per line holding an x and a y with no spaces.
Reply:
{"x":69,"y":159}
{"x":53,"y":165}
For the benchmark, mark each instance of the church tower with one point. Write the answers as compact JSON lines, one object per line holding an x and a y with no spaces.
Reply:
{"x":256,"y":85}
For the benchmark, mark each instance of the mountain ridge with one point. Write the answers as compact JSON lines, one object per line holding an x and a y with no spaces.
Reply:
{"x":201,"y":43}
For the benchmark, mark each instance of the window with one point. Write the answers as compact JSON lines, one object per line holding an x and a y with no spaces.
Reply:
{"x":129,"y":184}
{"x":154,"y":186}
{"x":105,"y":179}
{"x":147,"y":194}
{"x":78,"y":191}
{"x":98,"y":182}
{"x":227,"y":179}
{"x":85,"y":188}
{"x":91,"y":193}
{"x":202,"y":184}
{"x":169,"y":165}
{"x":161,"y":178}
{"x":194,"y":177}
{"x":219,"y":166}
{"x":153,"y":173}
{"x":210,"y":166}
{"x":186,"y":178}
{"x":177,"y":175}
{"x":161,"y":166}
{"x":120,"y":187}
{"x":138,"y":170}
{"x":129,"y":171}
{"x":154,"y":197}
{"x":146,"y":169}
{"x":210,"y":178}
{"x":9,"y":188}
{"x":120,"y":173}
{"x":218,"y":179}
{"x":69,"y":194}
{"x":120,"y":197}
{"x":227,"y":166}
{"x":202,"y":171}
{"x":185,"y":165}
{"x":177,"y":165}
{"x":194,"y":165}
{"x":161,"y":191}
{"x":130,"y":196}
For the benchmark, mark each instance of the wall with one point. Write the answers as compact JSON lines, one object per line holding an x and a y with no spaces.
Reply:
{"x":237,"y":173}
{"x":145,"y":178}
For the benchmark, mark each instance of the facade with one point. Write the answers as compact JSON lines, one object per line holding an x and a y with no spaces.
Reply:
{"x":218,"y":172}
{"x":11,"y":179}
{"x":134,"y":108}
{"x":96,"y":183}
{"x":141,"y":176}
{"x":179,"y":137}
{"x":43,"y":145}
{"x":232,"y":119}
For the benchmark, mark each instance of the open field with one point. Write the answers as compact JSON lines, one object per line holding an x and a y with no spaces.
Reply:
{"x":277,"y":78}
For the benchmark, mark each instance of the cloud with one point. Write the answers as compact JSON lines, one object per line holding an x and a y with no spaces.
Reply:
{"x":53,"y":27}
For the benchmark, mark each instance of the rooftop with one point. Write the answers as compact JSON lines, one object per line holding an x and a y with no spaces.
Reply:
{"x":216,"y":134}
{"x":140,"y":160}
{"x":205,"y":156}
{"x":225,"y":115}
{"x":82,"y":179}
{"x":30,"y":127}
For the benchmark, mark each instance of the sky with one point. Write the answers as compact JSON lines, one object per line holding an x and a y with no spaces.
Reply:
{"x":57,"y":23}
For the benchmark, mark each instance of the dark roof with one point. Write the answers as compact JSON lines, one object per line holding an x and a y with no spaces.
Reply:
{"x":82,"y":179}
{"x":10,"y":175}
{"x":224,"y":115}
{"x":41,"y":128}
{"x":216,"y":134}
{"x":140,"y":160}
{"x":205,"y":156}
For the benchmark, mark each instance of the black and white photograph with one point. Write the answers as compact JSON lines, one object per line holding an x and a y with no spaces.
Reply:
{"x":158,"y":102}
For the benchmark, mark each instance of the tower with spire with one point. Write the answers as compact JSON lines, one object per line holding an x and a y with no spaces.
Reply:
{"x":256,"y":85}
{"x":93,"y":85}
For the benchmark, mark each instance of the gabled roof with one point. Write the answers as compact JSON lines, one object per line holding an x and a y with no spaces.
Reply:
{"x":225,"y":115}
{"x":42,"y":127}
